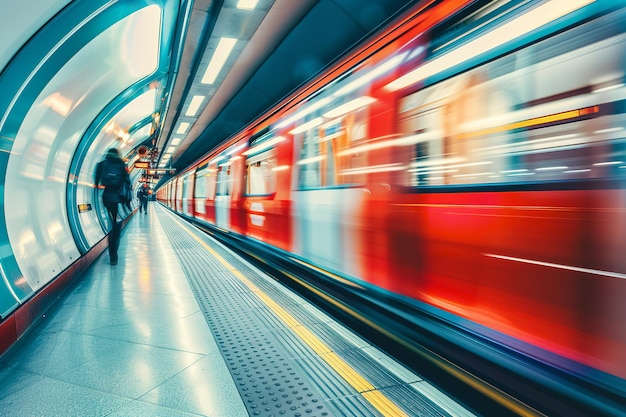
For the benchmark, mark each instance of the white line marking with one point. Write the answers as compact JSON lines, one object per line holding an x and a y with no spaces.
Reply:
{"x":568,"y":267}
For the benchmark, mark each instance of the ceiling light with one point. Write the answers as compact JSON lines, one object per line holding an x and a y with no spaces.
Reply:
{"x":247,"y":4}
{"x":176,"y":141}
{"x":182,"y":128}
{"x":196,"y":101}
{"x":223,"y":50}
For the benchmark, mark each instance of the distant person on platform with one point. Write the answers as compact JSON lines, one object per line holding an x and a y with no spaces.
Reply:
{"x":111,"y":172}
{"x":143,"y":194}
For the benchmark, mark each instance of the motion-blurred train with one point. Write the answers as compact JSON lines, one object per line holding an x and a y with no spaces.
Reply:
{"x":471,"y":157}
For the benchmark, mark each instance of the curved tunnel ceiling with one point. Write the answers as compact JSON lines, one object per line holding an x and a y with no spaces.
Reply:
{"x":289,"y":42}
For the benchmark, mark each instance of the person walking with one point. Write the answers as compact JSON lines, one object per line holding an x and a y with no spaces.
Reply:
{"x":143,"y":194}
{"x":111,"y":172}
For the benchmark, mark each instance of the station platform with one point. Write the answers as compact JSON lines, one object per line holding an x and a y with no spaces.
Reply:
{"x":182,"y":326}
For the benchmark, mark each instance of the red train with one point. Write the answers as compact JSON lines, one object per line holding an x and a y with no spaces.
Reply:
{"x":471,"y":157}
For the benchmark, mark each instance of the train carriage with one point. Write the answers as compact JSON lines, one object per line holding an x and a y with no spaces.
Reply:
{"x":471,"y":160}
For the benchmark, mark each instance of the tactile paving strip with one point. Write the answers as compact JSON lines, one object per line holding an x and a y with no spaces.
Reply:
{"x":270,"y":382}
{"x":277,"y":374}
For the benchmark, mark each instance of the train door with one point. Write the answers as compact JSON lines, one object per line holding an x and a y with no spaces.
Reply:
{"x":178,"y":193}
{"x":187,"y":197}
{"x":326,"y":197}
{"x":223,"y":195}
{"x":200,"y":191}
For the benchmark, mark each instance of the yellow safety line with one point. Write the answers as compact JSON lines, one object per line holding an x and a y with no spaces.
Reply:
{"x":376,"y":398}
{"x":383,"y":404}
{"x":481,"y":386}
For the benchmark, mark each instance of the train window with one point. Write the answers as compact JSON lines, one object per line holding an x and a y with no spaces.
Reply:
{"x":201,"y":181}
{"x":325,"y":156}
{"x":261,"y":173}
{"x":309,"y":161}
{"x":224,"y":179}
{"x":518,"y":119}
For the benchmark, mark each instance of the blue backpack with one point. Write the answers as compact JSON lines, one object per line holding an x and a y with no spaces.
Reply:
{"x":112,"y":175}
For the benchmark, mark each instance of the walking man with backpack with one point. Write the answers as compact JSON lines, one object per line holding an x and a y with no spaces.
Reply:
{"x":111,"y":172}
{"x":143,"y":194}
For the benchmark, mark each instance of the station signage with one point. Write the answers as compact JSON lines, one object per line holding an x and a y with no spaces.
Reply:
{"x":82,"y":208}
{"x":169,"y":171}
{"x":142,"y":165}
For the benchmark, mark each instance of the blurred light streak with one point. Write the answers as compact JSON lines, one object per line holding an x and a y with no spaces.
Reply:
{"x":373,"y":169}
{"x":382,"y":142}
{"x":332,"y":136}
{"x":370,"y":75}
{"x":477,"y":174}
{"x":597,"y":164}
{"x":350,"y":106}
{"x":437,"y":162}
{"x":281,"y":168}
{"x":306,"y":126}
{"x":552,"y":168}
{"x":498,"y":128}
{"x":264,"y":145}
{"x":217,"y":158}
{"x":607,"y":88}
{"x":609,"y":130}
{"x":58,"y":103}
{"x":470,"y":164}
{"x":520,"y":174}
{"x":308,"y":110}
{"x":559,"y":266}
{"x":311,"y":160}
{"x":236,"y":149}
{"x":509,"y":31}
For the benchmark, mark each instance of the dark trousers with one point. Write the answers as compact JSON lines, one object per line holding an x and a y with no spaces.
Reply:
{"x":114,"y":236}
{"x":143,"y":205}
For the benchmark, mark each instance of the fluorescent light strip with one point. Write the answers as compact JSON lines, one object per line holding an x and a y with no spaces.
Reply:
{"x":534,"y":19}
{"x":176,"y":141}
{"x":221,"y":54}
{"x":247,"y":4}
{"x":196,"y":101}
{"x":182,"y":128}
